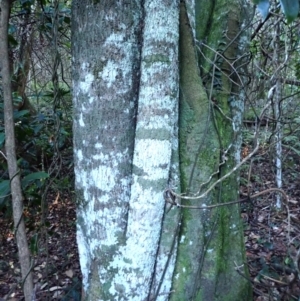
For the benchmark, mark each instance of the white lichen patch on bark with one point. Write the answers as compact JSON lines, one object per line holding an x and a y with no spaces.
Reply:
{"x":135,"y":261}
{"x":167,"y":252}
{"x":122,"y":68}
{"x":87,"y":79}
{"x":105,"y":92}
{"x":97,"y":235}
{"x":190,"y":7}
{"x":101,"y":225}
{"x":98,"y":145}
{"x":158,"y":97}
{"x":79,"y":154}
{"x":157,"y":122}
{"x":81,"y":122}
{"x":84,"y":257}
{"x":102,"y":176}
{"x":158,"y":153}
{"x":237,"y":108}
{"x":109,"y":73}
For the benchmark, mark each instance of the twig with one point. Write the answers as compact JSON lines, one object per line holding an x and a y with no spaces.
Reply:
{"x":3,"y":155}
{"x":173,"y":202}
{"x":204,"y":194}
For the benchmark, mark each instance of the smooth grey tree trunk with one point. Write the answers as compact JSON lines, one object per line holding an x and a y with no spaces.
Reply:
{"x":125,"y":86}
{"x":106,"y":72}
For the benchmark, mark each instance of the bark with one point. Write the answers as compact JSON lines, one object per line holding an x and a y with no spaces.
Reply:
{"x":156,"y":117}
{"x":106,"y":73}
{"x":20,"y":60}
{"x":10,"y":147}
{"x":210,"y":241}
{"x":127,"y":150}
{"x":166,"y":256}
{"x":197,"y":136}
{"x":125,"y":85}
{"x":277,"y":111}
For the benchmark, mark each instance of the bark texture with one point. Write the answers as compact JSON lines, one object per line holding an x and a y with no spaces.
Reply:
{"x":211,"y":242}
{"x":10,"y":149}
{"x":156,"y":116}
{"x":106,"y":73}
{"x":127,"y":151}
{"x":125,"y":85}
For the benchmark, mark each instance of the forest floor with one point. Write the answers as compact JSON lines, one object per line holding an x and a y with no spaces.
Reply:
{"x":272,"y":235}
{"x":272,"y":241}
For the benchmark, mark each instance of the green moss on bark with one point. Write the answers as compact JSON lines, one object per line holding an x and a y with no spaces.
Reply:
{"x":210,"y":241}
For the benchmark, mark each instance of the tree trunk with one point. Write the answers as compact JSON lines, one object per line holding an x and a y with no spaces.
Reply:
{"x":19,"y":60}
{"x":10,"y":148}
{"x":106,"y":71}
{"x":127,"y":150}
{"x":211,"y":242}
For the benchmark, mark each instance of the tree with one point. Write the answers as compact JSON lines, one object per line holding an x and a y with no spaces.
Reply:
{"x":10,"y":148}
{"x":158,"y":104}
{"x":23,"y":132}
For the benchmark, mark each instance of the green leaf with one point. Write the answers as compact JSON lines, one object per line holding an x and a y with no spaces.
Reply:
{"x":12,"y":41}
{"x":288,"y":261}
{"x":67,"y":20}
{"x":263,"y":7}
{"x":4,"y":190}
{"x":33,"y":246}
{"x":12,"y":29}
{"x":33,"y":177}
{"x":293,"y":149}
{"x":18,"y":114}
{"x":290,"y":8}
{"x":2,"y":139}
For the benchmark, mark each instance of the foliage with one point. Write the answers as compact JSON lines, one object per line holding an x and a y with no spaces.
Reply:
{"x":289,"y":7}
{"x":38,"y":142}
{"x":43,"y":133}
{"x":263,"y":7}
{"x":26,"y":182}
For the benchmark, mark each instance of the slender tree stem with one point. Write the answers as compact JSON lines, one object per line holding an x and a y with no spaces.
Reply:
{"x":10,"y":147}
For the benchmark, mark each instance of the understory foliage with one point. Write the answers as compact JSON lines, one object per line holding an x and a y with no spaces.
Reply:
{"x":272,"y":106}
{"x":39,"y":47}
{"x":38,"y":59}
{"x":290,"y":8}
{"x":41,"y":95}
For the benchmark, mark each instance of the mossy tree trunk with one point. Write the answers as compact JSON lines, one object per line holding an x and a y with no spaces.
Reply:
{"x":211,"y":105}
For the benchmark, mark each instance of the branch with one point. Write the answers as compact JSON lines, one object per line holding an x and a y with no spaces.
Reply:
{"x":173,"y":201}
{"x":217,"y":182}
